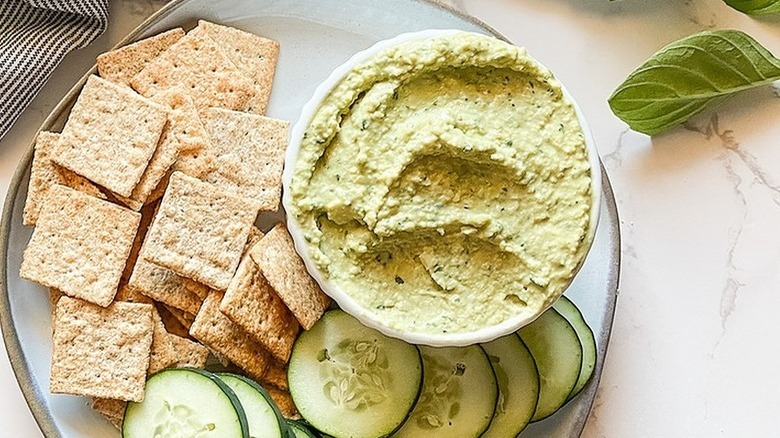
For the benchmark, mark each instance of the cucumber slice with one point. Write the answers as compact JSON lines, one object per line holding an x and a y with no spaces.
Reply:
{"x":262,"y":415}
{"x":558,"y":354}
{"x":518,"y":386}
{"x":459,"y":394}
{"x":569,"y":310}
{"x":299,"y":430}
{"x":351,"y":381}
{"x":185,"y":402}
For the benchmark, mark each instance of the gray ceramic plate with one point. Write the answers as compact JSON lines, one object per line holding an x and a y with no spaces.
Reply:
{"x":315,"y":36}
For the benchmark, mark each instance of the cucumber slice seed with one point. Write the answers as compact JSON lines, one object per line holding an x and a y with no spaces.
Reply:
{"x":458,"y":397}
{"x":351,"y":381}
{"x":518,"y":386}
{"x":569,"y":310}
{"x":558,"y":355}
{"x":263,"y":416}
{"x":185,"y":402}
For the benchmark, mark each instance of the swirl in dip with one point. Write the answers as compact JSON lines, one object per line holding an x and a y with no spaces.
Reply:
{"x":444,"y":185}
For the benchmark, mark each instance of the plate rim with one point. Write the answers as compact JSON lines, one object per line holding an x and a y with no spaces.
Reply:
{"x":33,"y":394}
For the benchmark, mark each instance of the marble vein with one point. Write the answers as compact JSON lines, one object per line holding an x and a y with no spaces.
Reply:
{"x":694,"y":16}
{"x":614,"y":159}
{"x":733,"y":285}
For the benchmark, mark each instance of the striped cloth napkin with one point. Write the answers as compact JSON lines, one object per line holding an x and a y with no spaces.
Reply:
{"x":34,"y":37}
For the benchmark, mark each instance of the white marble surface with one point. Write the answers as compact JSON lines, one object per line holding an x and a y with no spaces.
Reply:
{"x":695,"y":342}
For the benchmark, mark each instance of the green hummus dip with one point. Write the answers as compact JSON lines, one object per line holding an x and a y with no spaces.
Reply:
{"x":444,"y":185}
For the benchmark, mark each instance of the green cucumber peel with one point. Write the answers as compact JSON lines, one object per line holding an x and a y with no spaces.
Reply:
{"x":689,"y":76}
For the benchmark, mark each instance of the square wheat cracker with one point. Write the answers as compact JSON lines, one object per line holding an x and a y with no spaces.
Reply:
{"x":80,"y":245}
{"x":249,"y":152}
{"x":276,"y":375}
{"x":251,"y":303}
{"x":197,"y":62}
{"x":189,"y":353}
{"x":44,"y":173}
{"x":112,"y":410}
{"x":54,"y":297}
{"x":195,"y":151}
{"x":110,"y":135}
{"x":159,"y":191}
{"x":219,"y":333}
{"x":101,"y":352}
{"x":284,"y":401}
{"x":283,"y":268}
{"x":120,"y":65}
{"x":163,"y":353}
{"x":129,"y":295}
{"x":147,"y":215}
{"x":199,"y":231}
{"x":254,"y":236}
{"x":162,"y":285}
{"x":153,"y":282}
{"x":200,"y":290}
{"x":252,"y":54}
{"x":171,"y":322}
{"x":184,"y":318}
{"x":156,"y":283}
{"x":162,"y":159}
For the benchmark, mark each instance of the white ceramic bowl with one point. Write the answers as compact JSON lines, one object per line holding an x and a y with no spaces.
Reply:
{"x":345,"y":301}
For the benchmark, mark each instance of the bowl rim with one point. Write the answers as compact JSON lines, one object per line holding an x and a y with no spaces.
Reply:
{"x":344,"y":300}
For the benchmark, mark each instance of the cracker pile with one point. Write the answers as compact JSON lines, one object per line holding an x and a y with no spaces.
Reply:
{"x":144,"y":209}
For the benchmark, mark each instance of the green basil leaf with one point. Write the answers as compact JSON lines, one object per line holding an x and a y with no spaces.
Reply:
{"x":755,"y":7}
{"x":689,"y":75}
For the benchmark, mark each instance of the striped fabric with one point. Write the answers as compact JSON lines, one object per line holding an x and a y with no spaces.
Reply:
{"x":34,"y":37}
